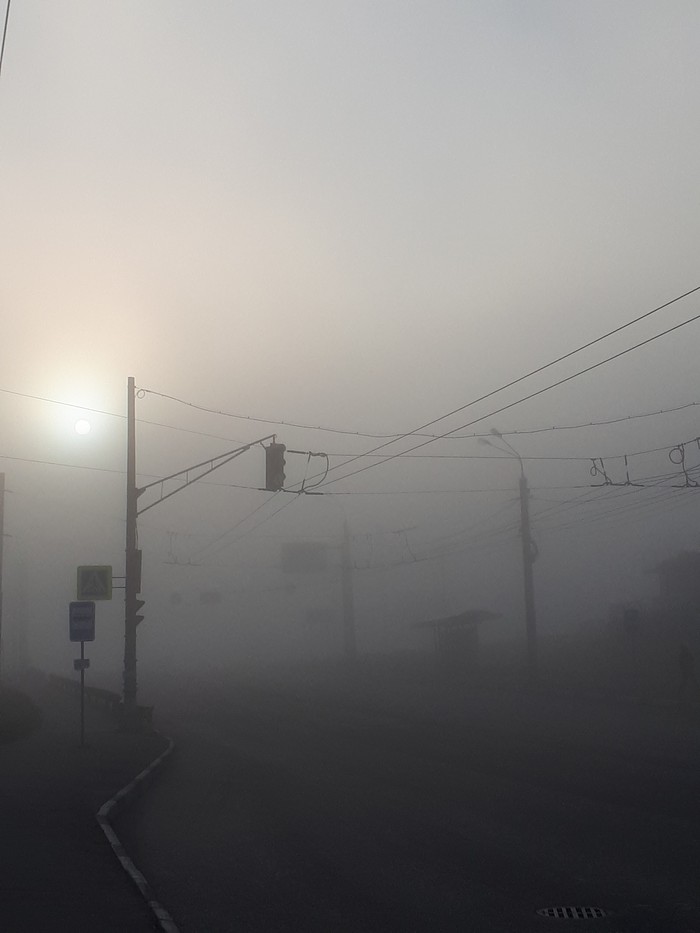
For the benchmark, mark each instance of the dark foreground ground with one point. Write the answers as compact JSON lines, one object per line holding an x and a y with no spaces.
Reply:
{"x":367,"y":805}
{"x":57,"y":872}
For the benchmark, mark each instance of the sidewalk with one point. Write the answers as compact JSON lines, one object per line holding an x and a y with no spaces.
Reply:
{"x":57,"y":869}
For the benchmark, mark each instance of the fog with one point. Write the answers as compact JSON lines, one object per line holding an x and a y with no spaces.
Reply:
{"x":334,"y":223}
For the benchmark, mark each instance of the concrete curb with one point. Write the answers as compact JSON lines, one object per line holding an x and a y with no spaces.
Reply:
{"x":111,"y":807}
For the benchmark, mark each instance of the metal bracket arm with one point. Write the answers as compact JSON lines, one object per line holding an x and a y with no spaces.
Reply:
{"x":212,"y":464}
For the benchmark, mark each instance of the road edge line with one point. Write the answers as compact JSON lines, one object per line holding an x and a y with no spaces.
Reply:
{"x":123,"y":796}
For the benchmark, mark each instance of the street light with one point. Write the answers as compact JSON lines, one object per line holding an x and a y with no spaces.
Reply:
{"x":529,"y":551}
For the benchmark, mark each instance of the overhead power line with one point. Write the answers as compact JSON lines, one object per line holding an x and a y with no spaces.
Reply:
{"x":396,"y":435}
{"x":520,"y":379}
{"x":630,"y":510}
{"x":250,"y":530}
{"x":393,"y":436}
{"x":4,"y":34}
{"x":591,"y":424}
{"x":578,"y":457}
{"x":55,"y":401}
{"x":245,"y":518}
{"x":553,"y":385}
{"x":121,"y":415}
{"x":56,"y":463}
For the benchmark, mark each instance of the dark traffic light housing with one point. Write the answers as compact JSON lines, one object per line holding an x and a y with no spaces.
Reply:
{"x":139,"y":604}
{"x":274,"y":466}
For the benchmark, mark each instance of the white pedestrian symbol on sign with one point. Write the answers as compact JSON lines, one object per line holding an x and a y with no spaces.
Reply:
{"x":95,"y":582}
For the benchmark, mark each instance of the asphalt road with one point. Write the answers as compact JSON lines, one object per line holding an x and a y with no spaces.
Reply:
{"x":302,"y":808}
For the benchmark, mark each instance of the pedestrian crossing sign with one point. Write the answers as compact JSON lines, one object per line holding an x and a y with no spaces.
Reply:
{"x":94,"y":583}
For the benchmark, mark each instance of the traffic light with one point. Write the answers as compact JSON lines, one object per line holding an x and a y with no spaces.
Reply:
{"x":274,"y":467}
{"x":139,"y":603}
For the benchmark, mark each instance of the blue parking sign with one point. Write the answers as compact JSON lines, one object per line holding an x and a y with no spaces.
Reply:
{"x":82,"y":621}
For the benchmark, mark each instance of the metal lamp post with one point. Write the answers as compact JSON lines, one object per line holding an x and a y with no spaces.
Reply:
{"x":529,"y":552}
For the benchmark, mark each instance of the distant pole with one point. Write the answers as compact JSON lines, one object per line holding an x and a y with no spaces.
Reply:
{"x":2,"y":539}
{"x":528,"y":561}
{"x":19,"y":615}
{"x":131,"y":582}
{"x":529,"y":552}
{"x":350,"y":642}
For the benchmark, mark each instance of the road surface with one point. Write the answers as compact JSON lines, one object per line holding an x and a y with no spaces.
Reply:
{"x":302,"y":807}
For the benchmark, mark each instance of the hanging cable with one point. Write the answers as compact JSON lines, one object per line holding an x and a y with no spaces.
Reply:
{"x":4,"y":34}
{"x":552,"y":385}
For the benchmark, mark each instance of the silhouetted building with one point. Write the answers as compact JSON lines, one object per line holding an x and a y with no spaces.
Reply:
{"x":626,"y":619}
{"x":456,"y":639}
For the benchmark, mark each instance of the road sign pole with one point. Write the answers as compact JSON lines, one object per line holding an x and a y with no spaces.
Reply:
{"x":349,"y":639}
{"x":82,"y":694}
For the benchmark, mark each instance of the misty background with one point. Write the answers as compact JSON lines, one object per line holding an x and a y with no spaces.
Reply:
{"x":356,"y":217}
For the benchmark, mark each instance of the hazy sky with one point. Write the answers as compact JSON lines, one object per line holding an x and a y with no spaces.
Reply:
{"x":351,"y":214}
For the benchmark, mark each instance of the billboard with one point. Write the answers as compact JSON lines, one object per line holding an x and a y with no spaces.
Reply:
{"x":304,"y":557}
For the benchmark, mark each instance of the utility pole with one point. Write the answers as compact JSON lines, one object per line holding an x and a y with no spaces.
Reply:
{"x":132,"y":583}
{"x":529,"y":554}
{"x":2,"y":539}
{"x":349,"y":640}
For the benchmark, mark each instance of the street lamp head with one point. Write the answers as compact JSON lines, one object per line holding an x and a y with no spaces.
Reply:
{"x":508,"y":450}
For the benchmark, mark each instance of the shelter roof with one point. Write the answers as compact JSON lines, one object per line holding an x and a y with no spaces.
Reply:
{"x":688,"y":561}
{"x":469,"y":617}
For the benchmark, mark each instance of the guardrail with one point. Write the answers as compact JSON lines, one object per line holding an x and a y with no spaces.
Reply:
{"x":96,"y":696}
{"x":108,"y":700}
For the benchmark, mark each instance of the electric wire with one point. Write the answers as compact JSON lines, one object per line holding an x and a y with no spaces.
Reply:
{"x":120,"y":415}
{"x":486,"y":539}
{"x":56,"y":463}
{"x":545,"y":522}
{"x":538,"y":392}
{"x":482,"y":398}
{"x":594,"y":498}
{"x":655,"y":483}
{"x":590,"y":424}
{"x":388,"y":492}
{"x":253,"y":528}
{"x":529,"y":375}
{"x":444,"y":492}
{"x":575,"y":502}
{"x":450,"y":437}
{"x":589,"y":497}
{"x":370,"y":492}
{"x":631,"y":509}
{"x":554,"y":457}
{"x":497,"y":535}
{"x":4,"y":34}
{"x":468,"y":531}
{"x":225,"y":534}
{"x":396,"y":436}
